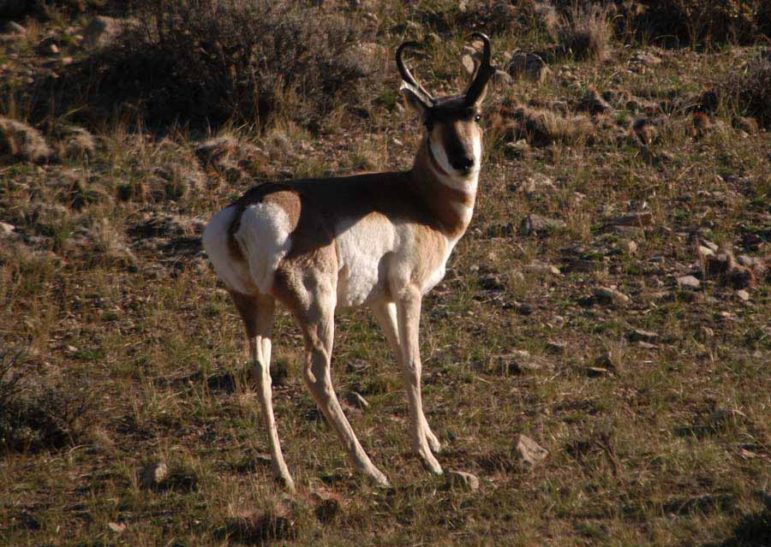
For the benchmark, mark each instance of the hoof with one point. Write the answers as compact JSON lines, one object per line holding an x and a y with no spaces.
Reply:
{"x":287,"y":483}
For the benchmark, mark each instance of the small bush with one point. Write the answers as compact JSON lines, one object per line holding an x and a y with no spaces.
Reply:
{"x":749,"y":91}
{"x":41,"y":8}
{"x":204,"y":62}
{"x":584,"y":32}
{"x":33,"y":416}
{"x":699,"y":22}
{"x":540,"y":127}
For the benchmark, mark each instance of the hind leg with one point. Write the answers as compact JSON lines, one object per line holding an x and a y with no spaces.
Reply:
{"x":257,"y":313}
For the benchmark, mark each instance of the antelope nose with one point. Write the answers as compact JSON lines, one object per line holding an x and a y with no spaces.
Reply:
{"x":463,"y":164}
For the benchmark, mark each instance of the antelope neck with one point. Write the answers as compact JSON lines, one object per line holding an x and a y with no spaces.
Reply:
{"x":452,"y":206}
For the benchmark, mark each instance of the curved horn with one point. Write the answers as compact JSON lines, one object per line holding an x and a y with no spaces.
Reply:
{"x":407,"y":75}
{"x":484,"y":73}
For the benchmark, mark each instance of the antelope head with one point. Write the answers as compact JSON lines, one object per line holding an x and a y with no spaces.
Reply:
{"x":452,"y":131}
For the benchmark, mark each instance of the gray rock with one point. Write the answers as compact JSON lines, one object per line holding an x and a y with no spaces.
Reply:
{"x":539,"y":267}
{"x":470,"y":59}
{"x":558,"y":347}
{"x":520,"y":361}
{"x":540,"y":225}
{"x":610,"y":296}
{"x":502,"y":78}
{"x":640,"y":218}
{"x":528,"y":65}
{"x":537,"y":184}
{"x":743,"y":295}
{"x":748,"y":261}
{"x":629,"y":246}
{"x":103,"y":31}
{"x":688,"y":282}
{"x":597,"y":372}
{"x":640,"y":335}
{"x":528,"y":451}
{"x":7,"y":229}
{"x":646,"y":58}
{"x":704,"y":252}
{"x":48,"y":46}
{"x":153,"y":474}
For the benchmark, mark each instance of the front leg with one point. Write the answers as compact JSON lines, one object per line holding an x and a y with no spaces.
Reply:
{"x":385,"y":314}
{"x":408,"y":311}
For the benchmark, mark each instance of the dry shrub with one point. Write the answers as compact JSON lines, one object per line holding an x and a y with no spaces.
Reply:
{"x":204,"y":62}
{"x":22,"y":142}
{"x":540,"y":127}
{"x":584,"y":32}
{"x":493,"y":16}
{"x":749,"y":91}
{"x":36,"y":416}
{"x":43,"y":8}
{"x":699,"y":22}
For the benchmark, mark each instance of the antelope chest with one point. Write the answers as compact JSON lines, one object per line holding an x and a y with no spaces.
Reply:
{"x":377,"y":256}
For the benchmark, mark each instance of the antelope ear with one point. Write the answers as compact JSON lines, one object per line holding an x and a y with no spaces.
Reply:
{"x":414,"y":100}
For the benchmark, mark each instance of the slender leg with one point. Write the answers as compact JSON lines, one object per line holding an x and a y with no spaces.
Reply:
{"x":408,"y":313}
{"x":385,"y":314}
{"x":257,"y":312}
{"x":318,"y":329}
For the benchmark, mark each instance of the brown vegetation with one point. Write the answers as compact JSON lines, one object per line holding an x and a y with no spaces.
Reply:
{"x":595,"y":360}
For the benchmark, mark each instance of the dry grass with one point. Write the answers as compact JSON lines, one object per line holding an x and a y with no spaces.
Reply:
{"x":292,"y":63}
{"x":540,"y":127}
{"x":22,"y":142}
{"x":748,"y":90}
{"x":701,"y":23}
{"x":585,"y":31}
{"x":653,"y":409}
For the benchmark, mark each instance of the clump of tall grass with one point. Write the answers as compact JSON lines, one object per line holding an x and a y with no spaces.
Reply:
{"x":584,"y":32}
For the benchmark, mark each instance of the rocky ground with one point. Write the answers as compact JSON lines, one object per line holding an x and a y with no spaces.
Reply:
{"x":596,"y":359}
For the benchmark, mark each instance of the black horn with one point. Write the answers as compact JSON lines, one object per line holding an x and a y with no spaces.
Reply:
{"x":484,"y":72}
{"x":407,"y":75}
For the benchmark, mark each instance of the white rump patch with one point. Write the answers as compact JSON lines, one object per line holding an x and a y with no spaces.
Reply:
{"x":215,"y":243}
{"x":264,"y":236}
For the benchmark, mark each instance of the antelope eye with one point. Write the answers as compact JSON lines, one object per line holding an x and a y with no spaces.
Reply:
{"x":477,"y":118}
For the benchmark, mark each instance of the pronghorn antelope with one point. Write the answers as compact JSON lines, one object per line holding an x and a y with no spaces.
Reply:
{"x":379,"y":239}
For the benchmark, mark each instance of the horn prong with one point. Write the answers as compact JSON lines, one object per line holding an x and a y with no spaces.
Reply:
{"x":405,"y":73}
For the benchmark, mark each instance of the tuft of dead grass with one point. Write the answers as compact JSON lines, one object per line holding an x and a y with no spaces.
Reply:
{"x":35,"y":415}
{"x":540,"y":127}
{"x":749,"y":90}
{"x":21,"y":142}
{"x":584,"y":32}
{"x":699,"y":23}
